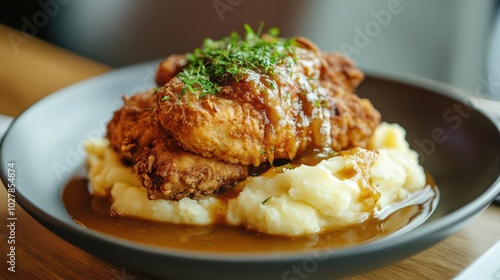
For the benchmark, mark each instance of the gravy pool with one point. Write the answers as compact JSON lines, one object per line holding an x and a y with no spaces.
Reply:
{"x":94,"y":213}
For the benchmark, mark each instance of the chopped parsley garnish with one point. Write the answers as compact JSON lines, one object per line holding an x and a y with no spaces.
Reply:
{"x":288,"y":166}
{"x":218,"y":62}
{"x":265,"y":200}
{"x":285,"y":167}
{"x":320,"y":103}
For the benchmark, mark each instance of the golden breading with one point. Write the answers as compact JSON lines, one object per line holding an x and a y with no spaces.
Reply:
{"x":132,"y":128}
{"x":163,"y":167}
{"x":169,"y":172}
{"x":260,"y":117}
{"x":168,"y":68}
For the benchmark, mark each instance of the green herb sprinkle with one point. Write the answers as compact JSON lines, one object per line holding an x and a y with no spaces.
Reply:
{"x":218,"y":62}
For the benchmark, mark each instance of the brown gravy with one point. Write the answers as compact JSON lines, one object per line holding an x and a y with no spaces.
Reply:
{"x":93,"y":212}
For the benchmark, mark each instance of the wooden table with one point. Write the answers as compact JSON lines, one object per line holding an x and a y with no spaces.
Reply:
{"x":32,"y":69}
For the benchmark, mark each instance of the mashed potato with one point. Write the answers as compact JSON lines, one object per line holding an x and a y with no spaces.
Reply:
{"x":133,"y":201}
{"x":343,"y":190}
{"x":307,"y":200}
{"x":108,"y":176}
{"x":105,"y":169}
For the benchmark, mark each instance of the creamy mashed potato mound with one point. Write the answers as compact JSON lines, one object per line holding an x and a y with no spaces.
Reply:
{"x":343,"y":190}
{"x":307,"y":200}
{"x":108,"y":176}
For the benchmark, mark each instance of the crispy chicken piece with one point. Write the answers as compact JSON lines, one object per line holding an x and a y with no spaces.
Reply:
{"x":169,"y":172}
{"x":338,"y":70}
{"x":353,"y":121}
{"x":125,"y":134}
{"x":169,"y":67}
{"x":263,"y":117}
{"x":164,"y":168}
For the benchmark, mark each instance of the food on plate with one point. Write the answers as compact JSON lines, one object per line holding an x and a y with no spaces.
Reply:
{"x":259,"y":132}
{"x":292,"y":200}
{"x":241,"y":104}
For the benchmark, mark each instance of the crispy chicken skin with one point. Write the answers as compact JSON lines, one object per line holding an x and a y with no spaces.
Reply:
{"x":165,"y":169}
{"x":132,"y":128}
{"x":338,"y":70}
{"x":353,"y":121}
{"x":263,"y":117}
{"x":169,"y":67}
{"x":169,"y":172}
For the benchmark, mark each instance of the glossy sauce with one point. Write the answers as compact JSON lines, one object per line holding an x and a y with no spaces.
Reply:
{"x":294,"y":107}
{"x":93,"y":212}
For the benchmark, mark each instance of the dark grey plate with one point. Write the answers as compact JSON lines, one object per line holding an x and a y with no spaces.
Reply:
{"x":459,"y":146}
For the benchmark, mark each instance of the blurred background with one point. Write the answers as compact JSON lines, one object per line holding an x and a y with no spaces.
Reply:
{"x":452,"y":41}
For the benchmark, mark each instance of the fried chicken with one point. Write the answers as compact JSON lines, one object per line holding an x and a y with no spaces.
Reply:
{"x":165,"y":169}
{"x":132,"y":128}
{"x":353,"y":119}
{"x":169,"y":172}
{"x":203,"y":132}
{"x":169,"y":67}
{"x":263,"y":117}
